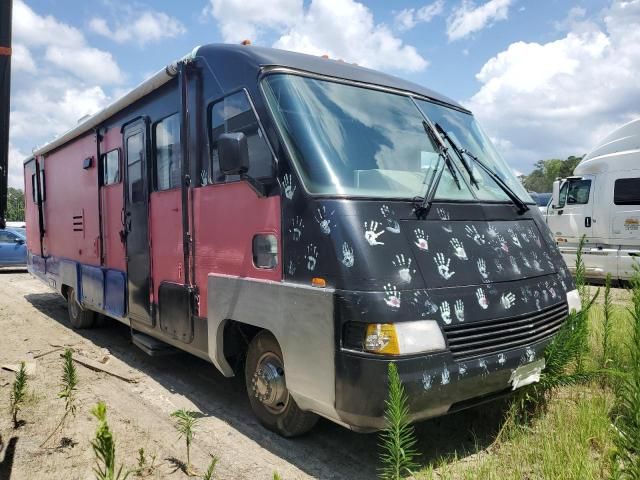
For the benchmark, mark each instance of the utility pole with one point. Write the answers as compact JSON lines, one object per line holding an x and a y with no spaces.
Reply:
{"x":5,"y":90}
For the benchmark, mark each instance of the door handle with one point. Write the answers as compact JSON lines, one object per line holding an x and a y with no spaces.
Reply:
{"x":587,"y":222}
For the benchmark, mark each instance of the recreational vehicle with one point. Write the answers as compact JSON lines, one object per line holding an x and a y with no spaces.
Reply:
{"x":302,"y":222}
{"x":601,"y":202}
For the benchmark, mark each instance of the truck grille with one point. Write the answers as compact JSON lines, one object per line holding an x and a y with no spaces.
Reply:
{"x":468,"y":340}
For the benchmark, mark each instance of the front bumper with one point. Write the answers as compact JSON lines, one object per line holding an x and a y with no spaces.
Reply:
{"x":435,"y":384}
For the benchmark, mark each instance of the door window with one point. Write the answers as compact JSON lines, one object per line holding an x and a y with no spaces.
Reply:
{"x":166,"y":134}
{"x":626,"y":191}
{"x":111,"y":167}
{"x":575,"y":192}
{"x":135,"y":150}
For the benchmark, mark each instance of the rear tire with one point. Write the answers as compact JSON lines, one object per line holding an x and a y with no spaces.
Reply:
{"x":79,"y":317}
{"x":266,"y":386}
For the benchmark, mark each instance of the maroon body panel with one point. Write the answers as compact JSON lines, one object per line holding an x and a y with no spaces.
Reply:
{"x":112,"y":207}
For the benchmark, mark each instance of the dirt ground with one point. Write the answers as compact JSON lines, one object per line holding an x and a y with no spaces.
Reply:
{"x":33,"y":321}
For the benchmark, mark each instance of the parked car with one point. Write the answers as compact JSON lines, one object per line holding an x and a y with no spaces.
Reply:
{"x":13,"y":248}
{"x":542,"y":200}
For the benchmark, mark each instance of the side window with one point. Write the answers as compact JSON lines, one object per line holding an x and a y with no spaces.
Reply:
{"x":234,"y":114}
{"x":626,"y":191}
{"x":134,"y":168}
{"x":578,"y":192}
{"x":111,"y":167}
{"x":166,"y":147}
{"x":6,"y":237}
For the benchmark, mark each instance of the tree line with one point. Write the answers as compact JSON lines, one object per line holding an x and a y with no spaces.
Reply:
{"x":546,"y":171}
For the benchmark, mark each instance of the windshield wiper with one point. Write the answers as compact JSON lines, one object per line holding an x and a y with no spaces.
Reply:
{"x":522,"y":206}
{"x":425,"y":202}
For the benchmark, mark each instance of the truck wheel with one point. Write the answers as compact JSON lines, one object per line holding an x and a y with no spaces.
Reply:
{"x":267,"y":389}
{"x":79,"y":317}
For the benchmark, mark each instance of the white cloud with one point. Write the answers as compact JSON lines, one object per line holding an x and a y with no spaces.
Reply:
{"x":21,"y":59}
{"x":15,"y":175}
{"x":559,"y":98}
{"x":342,"y":29}
{"x":469,"y":18}
{"x":148,"y":27}
{"x":87,"y":63}
{"x":32,"y":29}
{"x":409,"y":17}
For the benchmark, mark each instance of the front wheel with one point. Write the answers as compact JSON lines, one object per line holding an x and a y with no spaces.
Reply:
{"x":267,"y":388}
{"x":79,"y":317}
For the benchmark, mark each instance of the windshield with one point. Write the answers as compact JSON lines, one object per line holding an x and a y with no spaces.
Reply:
{"x":355,"y":141}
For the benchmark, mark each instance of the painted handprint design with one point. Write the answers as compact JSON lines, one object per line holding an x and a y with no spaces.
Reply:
{"x":389,"y":215}
{"x":427,"y":381}
{"x":445,"y":312}
{"x":391,"y":295}
{"x":482,"y":363}
{"x":443,"y":214}
{"x":347,"y":255}
{"x":323,"y":219}
{"x":403,"y":264}
{"x":423,"y":302}
{"x":508,"y":300}
{"x":288,"y":186}
{"x":458,"y":309}
{"x":442,"y":264}
{"x":514,"y":265}
{"x":502,"y":359}
{"x":458,"y":249}
{"x":502,"y":243}
{"x":312,"y":257}
{"x":291,"y":268}
{"x":372,"y":230}
{"x":422,"y":240}
{"x":482,"y":299}
{"x":297,"y":227}
{"x":525,"y":261}
{"x":473,"y":234}
{"x":514,"y":238}
{"x":445,"y":376}
{"x":482,"y":269}
{"x":492,"y":232}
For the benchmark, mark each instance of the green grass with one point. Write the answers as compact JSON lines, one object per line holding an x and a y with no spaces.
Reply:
{"x":572,"y":439}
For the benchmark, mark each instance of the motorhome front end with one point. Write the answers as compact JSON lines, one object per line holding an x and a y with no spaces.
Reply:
{"x":310,"y":220}
{"x":601,"y":202}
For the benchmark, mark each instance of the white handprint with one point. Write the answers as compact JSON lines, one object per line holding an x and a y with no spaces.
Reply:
{"x":535,"y":262}
{"x":482,"y":363}
{"x":291,"y":269}
{"x":523,"y":295}
{"x":462,"y":369}
{"x":445,"y":376}
{"x":347,"y":255}
{"x":529,"y":354}
{"x":443,"y":214}
{"x":392,"y":224}
{"x":525,"y":236}
{"x":312,"y":257}
{"x":443,"y":266}
{"x":447,"y":228}
{"x":289,"y":188}
{"x":514,"y":238}
{"x":297,"y":226}
{"x":458,"y":308}
{"x":502,"y":359}
{"x":503,"y":243}
{"x":422,"y":300}
{"x":324,"y":220}
{"x":427,"y":381}
{"x":404,"y":267}
{"x":371,"y":233}
{"x":499,"y":267}
{"x":525,"y":260}
{"x":473,"y":234}
{"x":445,"y":312}
{"x":514,"y":265}
{"x":550,"y":263}
{"x":482,"y":268}
{"x":492,"y":231}
{"x":508,"y":300}
{"x":545,"y":296}
{"x":392,"y":296}
{"x":422,"y":240}
{"x":203,"y":178}
{"x":458,"y":249}
{"x":482,"y":299}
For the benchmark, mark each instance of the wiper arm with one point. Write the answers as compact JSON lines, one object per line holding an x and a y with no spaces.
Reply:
{"x":443,"y":154}
{"x":522,"y":206}
{"x":459,"y":153}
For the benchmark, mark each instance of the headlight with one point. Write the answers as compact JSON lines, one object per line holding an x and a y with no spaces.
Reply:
{"x":573,"y":299}
{"x":404,"y":338}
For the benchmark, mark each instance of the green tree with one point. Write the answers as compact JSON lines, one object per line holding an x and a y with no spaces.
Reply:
{"x":15,"y":205}
{"x":546,"y":171}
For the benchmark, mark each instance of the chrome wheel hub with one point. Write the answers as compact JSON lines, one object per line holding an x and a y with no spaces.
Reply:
{"x":268,"y":383}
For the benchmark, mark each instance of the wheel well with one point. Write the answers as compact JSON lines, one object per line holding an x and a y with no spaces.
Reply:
{"x":237,"y":337}
{"x":65,"y":291}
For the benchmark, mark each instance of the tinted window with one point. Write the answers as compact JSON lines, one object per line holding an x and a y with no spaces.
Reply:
{"x":6,"y":237}
{"x":234,"y":114}
{"x":166,"y":135}
{"x":627,"y":191}
{"x":575,"y":192}
{"x":111,"y":167}
{"x":134,"y":171}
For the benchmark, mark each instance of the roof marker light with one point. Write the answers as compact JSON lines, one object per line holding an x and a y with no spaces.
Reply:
{"x":245,"y":42}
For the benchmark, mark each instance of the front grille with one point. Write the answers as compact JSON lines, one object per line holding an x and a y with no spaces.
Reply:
{"x":468,"y":340}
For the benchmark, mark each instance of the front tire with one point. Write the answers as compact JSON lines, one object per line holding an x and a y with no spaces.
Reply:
{"x":79,"y":317}
{"x":267,"y":389}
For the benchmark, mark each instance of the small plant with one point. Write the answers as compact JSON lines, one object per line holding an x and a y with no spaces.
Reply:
{"x":607,"y":324}
{"x":144,"y":467}
{"x":398,"y":438}
{"x":18,"y":394}
{"x":104,"y":447}
{"x":627,"y":411}
{"x":186,"y":423}
{"x":69,"y":386}
{"x":208,"y":474}
{"x":276,"y":476}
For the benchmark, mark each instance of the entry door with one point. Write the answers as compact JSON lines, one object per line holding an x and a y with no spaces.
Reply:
{"x":573,"y":217}
{"x":136,"y":222}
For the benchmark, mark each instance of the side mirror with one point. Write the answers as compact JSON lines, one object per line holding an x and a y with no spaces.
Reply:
{"x":555,"y":196}
{"x":19,"y":241}
{"x":233,"y":153}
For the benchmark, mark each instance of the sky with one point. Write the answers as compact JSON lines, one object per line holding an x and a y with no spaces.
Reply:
{"x":545,"y":78}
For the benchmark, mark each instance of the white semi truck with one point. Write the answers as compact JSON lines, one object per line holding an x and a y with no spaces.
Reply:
{"x":602,"y":202}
